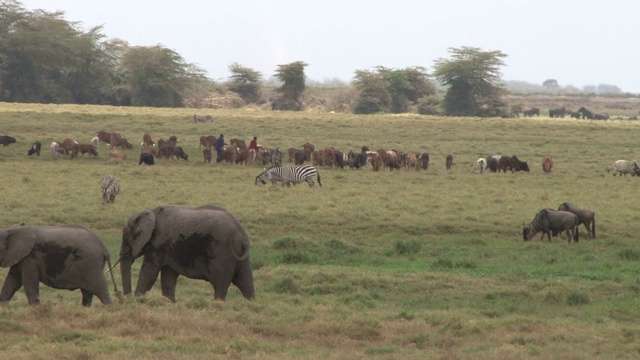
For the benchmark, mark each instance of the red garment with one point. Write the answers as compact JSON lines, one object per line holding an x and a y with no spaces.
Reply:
{"x":253,"y":145}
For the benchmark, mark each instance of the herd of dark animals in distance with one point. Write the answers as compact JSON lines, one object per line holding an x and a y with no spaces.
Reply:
{"x":550,"y":222}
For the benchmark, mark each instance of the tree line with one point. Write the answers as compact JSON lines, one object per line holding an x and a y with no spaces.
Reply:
{"x":47,"y":59}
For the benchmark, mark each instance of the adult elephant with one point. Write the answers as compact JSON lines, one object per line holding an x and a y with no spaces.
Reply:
{"x":206,"y":243}
{"x":62,"y":257}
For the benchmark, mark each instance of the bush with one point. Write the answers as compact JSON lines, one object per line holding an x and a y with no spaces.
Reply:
{"x":429,"y":105}
{"x":410,"y":247}
{"x":576,"y":298}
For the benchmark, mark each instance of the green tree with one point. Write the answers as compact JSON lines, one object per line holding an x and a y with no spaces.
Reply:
{"x":157,"y":76}
{"x":473,"y":80}
{"x":551,"y":84}
{"x":246,"y":82}
{"x":292,"y":78}
{"x":373,"y":93}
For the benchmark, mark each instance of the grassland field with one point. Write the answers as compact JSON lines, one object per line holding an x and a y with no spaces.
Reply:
{"x":392,"y":264}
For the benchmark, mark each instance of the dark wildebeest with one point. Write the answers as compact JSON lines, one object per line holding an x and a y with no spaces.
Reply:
{"x":531,"y":112}
{"x":449,"y":161}
{"x":547,"y":164}
{"x":557,"y":112}
{"x":586,"y":114}
{"x":585,"y":216}
{"x":147,"y":158}
{"x":624,"y":167}
{"x":548,"y":221}
{"x":600,"y":116}
{"x":299,"y":157}
{"x":6,"y":140}
{"x":35,"y":148}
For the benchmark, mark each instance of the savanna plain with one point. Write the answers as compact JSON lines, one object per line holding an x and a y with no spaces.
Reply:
{"x":391,"y":264}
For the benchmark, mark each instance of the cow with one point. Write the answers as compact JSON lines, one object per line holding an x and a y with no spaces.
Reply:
{"x":208,"y":141}
{"x":116,"y":140}
{"x":243,"y":157}
{"x":276,"y":157}
{"x":7,"y":140}
{"x":179,"y":153}
{"x":586,"y":114}
{"x":409,"y":161}
{"x":318,"y":157}
{"x":550,"y":221}
{"x":291,"y":152}
{"x":149,"y":149}
{"x":449,"y":162}
{"x":547,"y":164}
{"x":492,"y":164}
{"x":70,"y":147}
{"x":165,"y":151}
{"x":228,"y":155}
{"x":147,"y":141}
{"x":600,"y":116}
{"x":299,"y":157}
{"x":87,"y":148}
{"x":56,"y":149}
{"x":173,"y":140}
{"x":147,"y":158}
{"x":238,"y":143}
{"x":117,"y":155}
{"x":340,"y":159}
{"x":377,"y":161}
{"x":423,"y":161}
{"x":512,"y":163}
{"x":624,"y":167}
{"x":35,"y":149}
{"x":308,"y":150}
{"x":482,"y":165}
{"x":104,"y":136}
{"x":206,"y":154}
{"x":390,"y":160}
{"x":585,"y":216}
{"x":557,"y":112}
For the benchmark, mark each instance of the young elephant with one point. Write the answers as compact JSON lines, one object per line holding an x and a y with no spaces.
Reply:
{"x":206,"y":243}
{"x":63,"y":257}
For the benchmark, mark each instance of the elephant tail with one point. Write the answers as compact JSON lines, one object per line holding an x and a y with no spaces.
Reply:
{"x":113,"y":279}
{"x":245,"y":247}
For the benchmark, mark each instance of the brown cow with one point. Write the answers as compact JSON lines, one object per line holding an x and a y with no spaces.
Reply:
{"x":308,"y":150}
{"x":87,"y":148}
{"x":292,"y":153}
{"x":228,"y":155}
{"x":104,"y":136}
{"x":117,"y":155}
{"x":147,"y":141}
{"x":117,"y":140}
{"x":149,"y":149}
{"x":70,"y":147}
{"x":409,"y":161}
{"x":319,"y":157}
{"x":243,"y":157}
{"x":376,"y":160}
{"x":207,"y":141}
{"x":238,"y":143}
{"x":206,"y":153}
{"x":547,"y":164}
{"x":449,"y":161}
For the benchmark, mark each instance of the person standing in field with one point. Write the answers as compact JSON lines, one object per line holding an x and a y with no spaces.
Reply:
{"x":219,"y":147}
{"x":253,"y":144}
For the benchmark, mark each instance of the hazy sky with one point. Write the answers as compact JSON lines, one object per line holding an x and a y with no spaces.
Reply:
{"x":576,"y":42}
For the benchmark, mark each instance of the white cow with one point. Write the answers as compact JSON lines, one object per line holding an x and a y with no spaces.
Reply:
{"x":482,"y":165}
{"x":624,"y":167}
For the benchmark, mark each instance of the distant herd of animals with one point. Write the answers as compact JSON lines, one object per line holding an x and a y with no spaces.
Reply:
{"x":582,"y":113}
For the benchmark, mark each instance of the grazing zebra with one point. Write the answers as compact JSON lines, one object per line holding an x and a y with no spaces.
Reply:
{"x":288,"y":175}
{"x":109,"y":188}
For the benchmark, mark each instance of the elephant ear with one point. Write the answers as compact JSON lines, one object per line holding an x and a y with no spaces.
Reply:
{"x":15,"y":245}
{"x":139,"y":230}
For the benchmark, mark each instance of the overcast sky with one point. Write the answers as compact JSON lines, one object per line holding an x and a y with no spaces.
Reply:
{"x":576,"y":42}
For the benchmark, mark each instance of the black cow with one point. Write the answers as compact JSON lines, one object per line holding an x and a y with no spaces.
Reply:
{"x":299,"y":157}
{"x":35,"y":148}
{"x":147,"y":158}
{"x":531,"y":112}
{"x":6,"y":140}
{"x":339,"y":159}
{"x":424,"y":161}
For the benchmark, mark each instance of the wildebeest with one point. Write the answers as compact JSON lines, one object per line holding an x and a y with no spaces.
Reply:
{"x":548,"y":221}
{"x":547,"y":164}
{"x":532,"y":111}
{"x":147,"y":158}
{"x":449,"y":161}
{"x":586,"y":114}
{"x":6,"y":140}
{"x":624,"y":167}
{"x":557,"y":112}
{"x":35,"y":148}
{"x":600,"y":116}
{"x":585,"y":216}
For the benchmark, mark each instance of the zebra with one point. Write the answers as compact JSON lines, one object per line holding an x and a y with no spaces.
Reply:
{"x":110,"y":188}
{"x":552,"y":221}
{"x":288,"y":175}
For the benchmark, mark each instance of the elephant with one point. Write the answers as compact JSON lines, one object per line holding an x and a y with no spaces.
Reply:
{"x":206,"y":243}
{"x":63,"y":257}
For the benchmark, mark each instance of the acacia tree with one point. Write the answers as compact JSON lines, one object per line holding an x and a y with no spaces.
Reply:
{"x":373,"y":95}
{"x":245,"y":82}
{"x":473,"y":81}
{"x":293,"y":85}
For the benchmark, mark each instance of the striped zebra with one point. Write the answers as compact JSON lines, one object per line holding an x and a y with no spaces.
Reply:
{"x":289,"y":175}
{"x":110,"y":188}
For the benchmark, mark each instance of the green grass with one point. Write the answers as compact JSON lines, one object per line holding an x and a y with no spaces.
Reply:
{"x":402,"y":264}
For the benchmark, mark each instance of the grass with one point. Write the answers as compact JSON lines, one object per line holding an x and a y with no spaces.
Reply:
{"x":401,"y":264}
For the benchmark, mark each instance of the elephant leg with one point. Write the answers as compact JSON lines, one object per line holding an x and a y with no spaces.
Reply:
{"x":31,"y":282}
{"x":220,"y":278}
{"x":12,"y":283}
{"x":148,"y":274}
{"x":243,"y":279}
{"x":168,"y":280}
{"x":87,"y":297}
